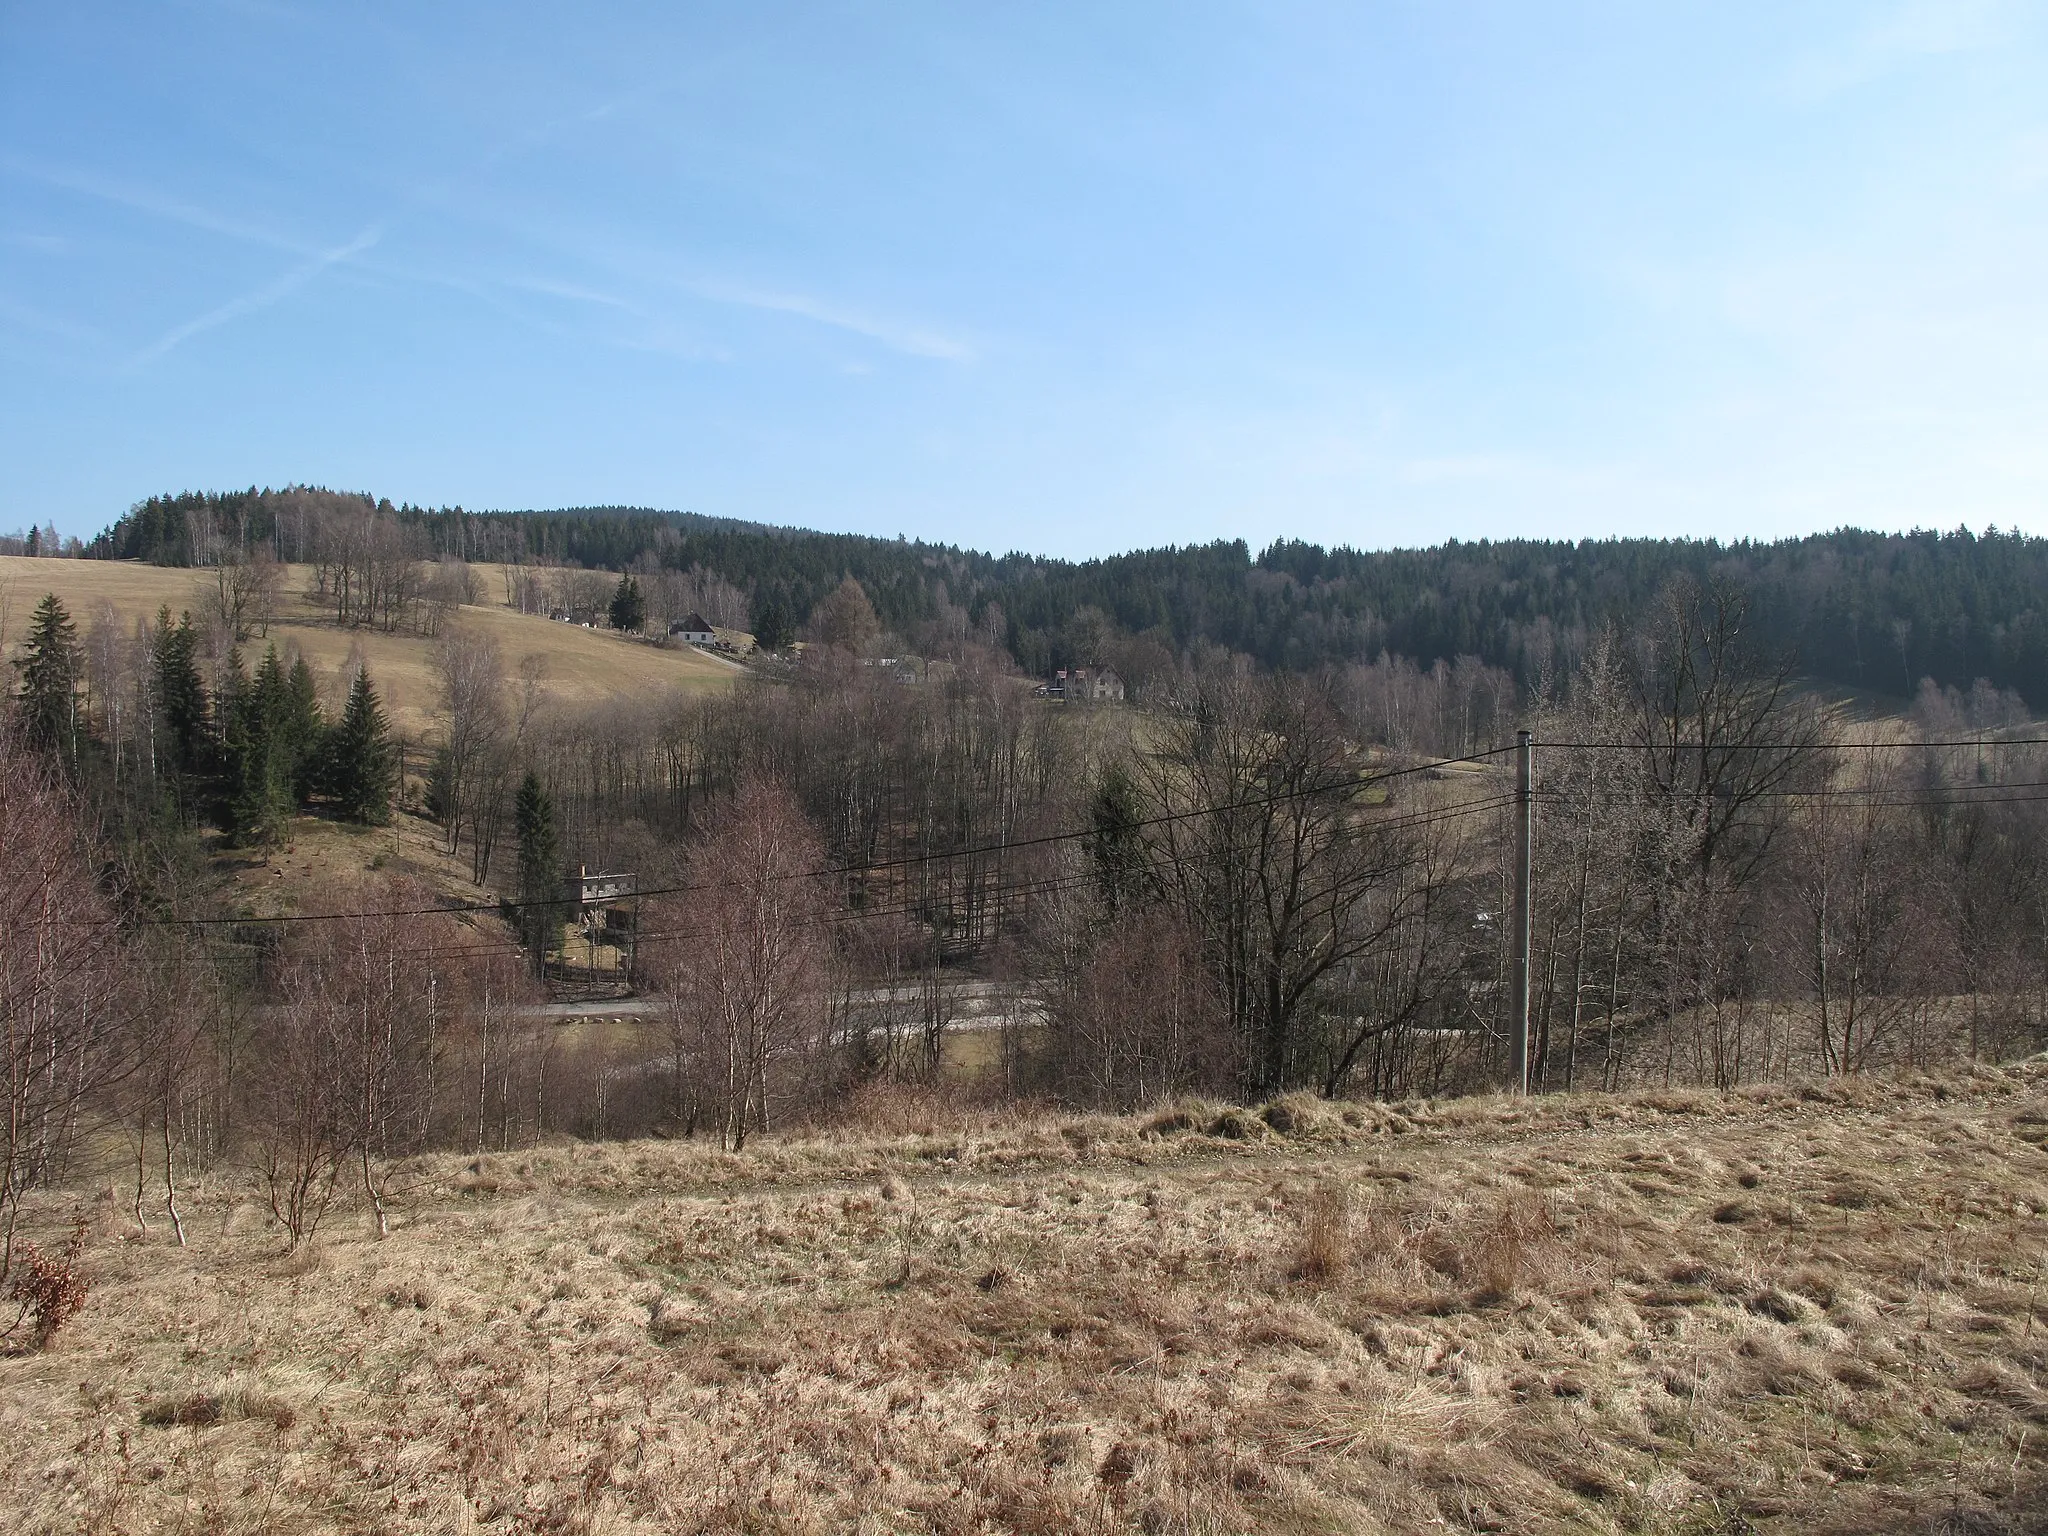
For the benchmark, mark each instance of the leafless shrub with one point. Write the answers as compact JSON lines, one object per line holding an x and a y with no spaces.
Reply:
{"x":48,"y":1287}
{"x":1141,"y":1020}
{"x":907,"y":1237}
{"x":303,"y":1143}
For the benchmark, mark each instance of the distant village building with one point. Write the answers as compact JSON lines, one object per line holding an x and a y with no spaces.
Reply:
{"x":909,"y":671}
{"x":1086,"y":685}
{"x":692,"y":631}
{"x":584,"y":889}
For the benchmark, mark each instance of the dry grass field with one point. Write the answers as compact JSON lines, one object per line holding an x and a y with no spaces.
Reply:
{"x":1773,"y":1311}
{"x":582,"y":666}
{"x":330,"y":866}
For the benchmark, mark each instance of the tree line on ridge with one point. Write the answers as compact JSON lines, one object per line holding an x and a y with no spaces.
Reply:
{"x":1868,"y":611}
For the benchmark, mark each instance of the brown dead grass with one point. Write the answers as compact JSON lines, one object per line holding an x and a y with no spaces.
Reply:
{"x":1326,"y":1235}
{"x":329,"y":866}
{"x":1478,"y":1315}
{"x":584,"y":667}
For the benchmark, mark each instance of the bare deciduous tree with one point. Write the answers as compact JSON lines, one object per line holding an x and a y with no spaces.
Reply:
{"x":67,"y":1004}
{"x":471,"y":673}
{"x":1855,"y":923}
{"x":749,"y":980}
{"x":1142,"y":1018}
{"x":1260,"y":839}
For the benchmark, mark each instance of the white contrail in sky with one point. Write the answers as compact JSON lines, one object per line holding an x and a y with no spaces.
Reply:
{"x":911,"y":339}
{"x":262,"y":298}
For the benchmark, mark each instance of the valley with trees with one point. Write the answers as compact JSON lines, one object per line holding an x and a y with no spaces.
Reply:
{"x":1024,"y":770}
{"x":458,"y":1000}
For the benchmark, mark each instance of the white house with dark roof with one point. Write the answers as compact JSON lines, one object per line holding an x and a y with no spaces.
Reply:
{"x":1086,"y":685}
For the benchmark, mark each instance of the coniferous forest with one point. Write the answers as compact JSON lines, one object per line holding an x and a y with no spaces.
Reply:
{"x":1869,"y":611}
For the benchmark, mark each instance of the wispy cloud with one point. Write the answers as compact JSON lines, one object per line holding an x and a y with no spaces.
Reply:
{"x":261,"y":298}
{"x":1915,"y":30}
{"x":641,"y":279}
{"x":907,"y":337}
{"x":144,"y":200}
{"x":1922,"y":27}
{"x":570,"y":291}
{"x":914,"y":340}
{"x":29,"y":318}
{"x":646,"y":332}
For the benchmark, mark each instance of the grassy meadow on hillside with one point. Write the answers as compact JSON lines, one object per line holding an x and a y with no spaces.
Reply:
{"x":582,"y":666}
{"x":1777,"y":1310}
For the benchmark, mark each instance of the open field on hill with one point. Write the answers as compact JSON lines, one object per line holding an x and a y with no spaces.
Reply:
{"x":1774,"y":1310}
{"x":582,"y":666}
{"x":334,"y":866}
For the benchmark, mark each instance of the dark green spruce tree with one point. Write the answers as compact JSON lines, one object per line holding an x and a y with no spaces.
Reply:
{"x":441,"y":785}
{"x":772,"y":628}
{"x":303,"y":729}
{"x":258,"y":761}
{"x":629,"y":608}
{"x":540,"y":869}
{"x":180,"y":693}
{"x":1115,"y":842}
{"x":52,"y":668}
{"x":362,"y":764}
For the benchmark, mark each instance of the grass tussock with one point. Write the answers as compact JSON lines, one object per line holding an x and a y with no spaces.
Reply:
{"x":206,"y":1410}
{"x":1484,"y":1316}
{"x":1326,"y":1236}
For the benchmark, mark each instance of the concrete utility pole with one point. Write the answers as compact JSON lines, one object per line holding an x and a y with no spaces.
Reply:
{"x":1518,"y":989}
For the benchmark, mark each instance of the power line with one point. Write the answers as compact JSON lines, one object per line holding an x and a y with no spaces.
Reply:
{"x":842,"y":870}
{"x":1895,"y":794}
{"x":1851,"y":790}
{"x":1001,"y":847}
{"x":909,"y":905}
{"x":1902,"y":804}
{"x":1787,"y":746}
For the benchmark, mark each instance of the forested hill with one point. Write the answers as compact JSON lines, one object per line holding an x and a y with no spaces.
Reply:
{"x":1865,"y":610}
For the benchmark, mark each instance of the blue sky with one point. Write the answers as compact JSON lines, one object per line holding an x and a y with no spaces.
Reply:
{"x":1070,"y":278}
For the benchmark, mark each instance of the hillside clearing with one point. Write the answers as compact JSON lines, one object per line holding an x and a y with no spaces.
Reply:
{"x":582,"y":666}
{"x":328,"y":866}
{"x":1774,"y":1310}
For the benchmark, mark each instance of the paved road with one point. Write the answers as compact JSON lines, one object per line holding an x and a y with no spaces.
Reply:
{"x":976,"y":1005}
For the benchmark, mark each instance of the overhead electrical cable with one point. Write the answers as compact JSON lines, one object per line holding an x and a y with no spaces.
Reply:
{"x":1335,"y":786}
